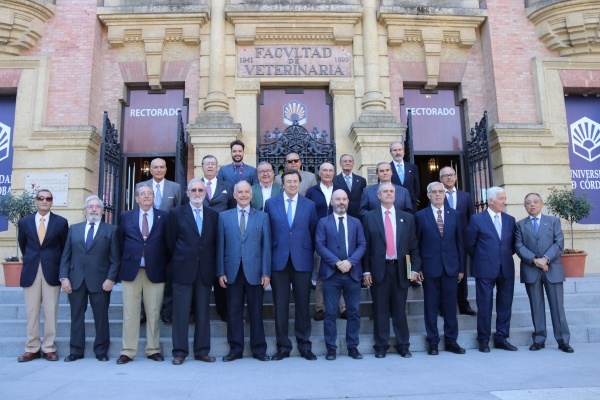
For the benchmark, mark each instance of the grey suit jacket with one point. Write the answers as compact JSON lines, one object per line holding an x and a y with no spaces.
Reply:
{"x":94,"y":265}
{"x":171,"y":196}
{"x":257,"y":196}
{"x":308,"y":179}
{"x":549,"y":243}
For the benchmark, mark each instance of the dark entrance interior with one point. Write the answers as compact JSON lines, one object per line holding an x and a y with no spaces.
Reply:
{"x":137,"y":169}
{"x":429,"y":166}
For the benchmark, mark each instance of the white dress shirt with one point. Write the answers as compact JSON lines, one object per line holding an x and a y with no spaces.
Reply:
{"x":337,"y":227}
{"x":87,"y":228}
{"x":38,"y":220}
{"x":239,"y":214}
{"x":328,"y":192}
{"x":160,"y":184}
{"x":194,"y":212}
{"x":266,"y":192}
{"x":435,"y":212}
{"x":393,"y":219}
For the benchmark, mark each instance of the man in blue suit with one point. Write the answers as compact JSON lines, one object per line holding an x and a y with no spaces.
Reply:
{"x":143,"y":272}
{"x":442,"y":265}
{"x":237,"y":170}
{"x":293,"y":221}
{"x":341,"y":247}
{"x":405,"y":174}
{"x":244,"y":269}
{"x":370,"y":200}
{"x":491,"y":245}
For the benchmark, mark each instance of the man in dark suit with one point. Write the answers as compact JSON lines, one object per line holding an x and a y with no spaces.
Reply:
{"x":293,"y":161}
{"x":461,"y":202}
{"x":266,"y":186}
{"x":442,"y":265}
{"x":143,"y":272}
{"x":42,"y":238}
{"x":491,"y":245}
{"x":244,"y":270}
{"x":370,"y":198}
{"x":539,"y":243}
{"x":405,"y":174}
{"x":88,"y":270}
{"x":341,"y":243}
{"x":218,"y":197}
{"x":391,"y":236}
{"x":352,"y":183}
{"x":237,"y":170}
{"x":191,"y":239}
{"x":293,"y":221}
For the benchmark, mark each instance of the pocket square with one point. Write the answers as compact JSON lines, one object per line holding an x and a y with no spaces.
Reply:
{"x":224,"y":191}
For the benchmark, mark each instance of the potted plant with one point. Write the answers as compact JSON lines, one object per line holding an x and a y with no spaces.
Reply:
{"x":566,"y":205}
{"x":14,"y":207}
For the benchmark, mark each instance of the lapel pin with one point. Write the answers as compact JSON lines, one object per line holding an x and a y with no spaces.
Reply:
{"x":401,"y":220}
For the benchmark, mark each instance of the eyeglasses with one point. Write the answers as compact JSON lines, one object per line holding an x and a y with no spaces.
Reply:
{"x":146,"y":194}
{"x":94,"y":206}
{"x":209,"y":163}
{"x":437,"y":192}
{"x":447,"y":175}
{"x":42,"y":198}
{"x":293,"y":161}
{"x":197,"y":190}
{"x":265,"y":172}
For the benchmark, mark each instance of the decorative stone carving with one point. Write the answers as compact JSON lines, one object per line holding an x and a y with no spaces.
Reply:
{"x":22,"y":24}
{"x":570,"y":27}
{"x":247,"y":85}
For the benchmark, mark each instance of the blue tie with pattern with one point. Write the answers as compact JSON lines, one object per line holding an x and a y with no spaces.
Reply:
{"x":198,"y":221}
{"x":536,"y":225}
{"x":289,"y":212}
{"x":90,"y":236}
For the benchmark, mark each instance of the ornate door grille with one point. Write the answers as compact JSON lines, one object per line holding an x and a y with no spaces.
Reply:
{"x":181,"y":153}
{"x":110,"y":170}
{"x":480,"y":163}
{"x":409,"y":154}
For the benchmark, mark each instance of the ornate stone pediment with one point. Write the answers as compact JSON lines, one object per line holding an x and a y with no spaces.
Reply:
{"x":22,"y":24}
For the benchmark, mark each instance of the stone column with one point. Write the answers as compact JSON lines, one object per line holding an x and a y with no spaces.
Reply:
{"x":216,"y":100}
{"x":373,"y":98}
{"x":344,"y":114}
{"x":246,"y":94}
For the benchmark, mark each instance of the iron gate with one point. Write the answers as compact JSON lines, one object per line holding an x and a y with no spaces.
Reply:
{"x":479,"y":161}
{"x":110,"y":170}
{"x":181,"y":154}
{"x":409,"y":154}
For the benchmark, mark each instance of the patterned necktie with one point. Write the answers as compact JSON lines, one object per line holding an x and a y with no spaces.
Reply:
{"x":348,"y":183}
{"x":498,"y":226}
{"x":209,"y":190}
{"x":440,"y":223}
{"x":90,"y":236}
{"x":145,"y":229}
{"x":198,"y":221}
{"x":158,"y":198}
{"x":243,"y":223}
{"x":450,"y":199}
{"x":342,"y":239}
{"x":289,"y":212}
{"x":42,"y":231}
{"x":401,"y":173}
{"x":389,"y":236}
{"x":536,"y":225}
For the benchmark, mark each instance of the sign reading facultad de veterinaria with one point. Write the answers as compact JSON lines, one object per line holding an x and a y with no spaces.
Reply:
{"x":56,"y":183}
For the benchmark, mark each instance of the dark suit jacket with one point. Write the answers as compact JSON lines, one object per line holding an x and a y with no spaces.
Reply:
{"x":358,"y":185}
{"x":171,"y":196}
{"x":132,"y":246}
{"x":315,"y":194}
{"x":222,"y":197}
{"x":248,"y":174}
{"x":440,"y":252}
{"x":94,"y":265}
{"x":466,"y":208}
{"x":370,"y":201}
{"x":297,"y":241}
{"x":549,"y":243}
{"x":257,"y":196}
{"x":488,"y":252}
{"x":192,"y":253}
{"x":406,"y":244}
{"x":411,"y":181}
{"x":328,"y":246}
{"x":49,"y":252}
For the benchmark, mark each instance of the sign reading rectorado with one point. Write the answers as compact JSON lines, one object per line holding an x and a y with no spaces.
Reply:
{"x":296,"y":61}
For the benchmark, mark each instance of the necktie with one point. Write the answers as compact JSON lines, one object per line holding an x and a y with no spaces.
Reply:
{"x":498,"y":226}
{"x":145,"y":229}
{"x":158,"y":198}
{"x":42,"y":231}
{"x":450,"y":199}
{"x":243,"y":222}
{"x":440,"y":223}
{"x":289,"y":212}
{"x":349,"y":183}
{"x":342,"y":239}
{"x":209,"y":190}
{"x":536,"y":225}
{"x":90,"y":237}
{"x":198,"y":221}
{"x":401,"y":173}
{"x":389,"y":236}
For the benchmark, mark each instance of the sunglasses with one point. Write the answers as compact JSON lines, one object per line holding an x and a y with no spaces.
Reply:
{"x":197,"y":190}
{"x":42,"y":198}
{"x":293,"y":161}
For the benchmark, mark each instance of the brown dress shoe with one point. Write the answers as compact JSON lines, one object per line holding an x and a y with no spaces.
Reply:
{"x":52,"y":356}
{"x":205,"y":358}
{"x":344,"y":314}
{"x":29,"y":356}
{"x":123,"y":359}
{"x":320,"y":315}
{"x":156,"y":357}
{"x":178,"y":360}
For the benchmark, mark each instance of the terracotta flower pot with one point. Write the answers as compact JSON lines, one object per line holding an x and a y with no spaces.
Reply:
{"x":574,"y":264}
{"x":12,"y":273}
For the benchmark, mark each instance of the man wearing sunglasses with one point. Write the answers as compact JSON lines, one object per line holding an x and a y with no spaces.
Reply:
{"x":42,"y":238}
{"x":292,"y":161}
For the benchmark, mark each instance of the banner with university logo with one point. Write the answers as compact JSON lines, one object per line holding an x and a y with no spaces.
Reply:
{"x":583,"y":124}
{"x":7,"y":123}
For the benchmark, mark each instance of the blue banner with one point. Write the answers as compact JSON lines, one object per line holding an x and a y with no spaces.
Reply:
{"x":7,"y":123}
{"x":583,"y":124}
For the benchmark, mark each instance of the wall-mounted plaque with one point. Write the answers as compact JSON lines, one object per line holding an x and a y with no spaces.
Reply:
{"x":371,"y":176}
{"x":57,"y":184}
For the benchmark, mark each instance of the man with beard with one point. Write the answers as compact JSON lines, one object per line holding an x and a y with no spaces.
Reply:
{"x":238,"y":170}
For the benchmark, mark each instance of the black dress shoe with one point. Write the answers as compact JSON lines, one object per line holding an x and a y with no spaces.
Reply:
{"x":261,"y":357}
{"x":484,"y":347}
{"x":455,"y":348}
{"x":102,"y":357}
{"x":331,"y":355}
{"x":566,"y":348}
{"x":415,"y":284}
{"x":307,"y":354}
{"x":280,"y":355}
{"x":468,"y":311}
{"x":142,"y":319}
{"x":166,"y":319}
{"x":432,"y":350}
{"x":231,"y":357}
{"x":205,"y":358}
{"x":354,"y":353}
{"x":505,"y":346}
{"x":320,"y":315}
{"x":72,"y":357}
{"x":224,"y":317}
{"x":536,"y":346}
{"x":404,"y":352}
{"x":178,"y":360}
{"x":379,"y":353}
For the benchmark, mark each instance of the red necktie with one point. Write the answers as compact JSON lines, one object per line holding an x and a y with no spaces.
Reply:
{"x":389,"y":236}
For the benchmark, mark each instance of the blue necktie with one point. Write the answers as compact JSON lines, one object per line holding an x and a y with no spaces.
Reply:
{"x":536,"y":225}
{"x":289,"y":212}
{"x":401,"y":173}
{"x":498,"y":226}
{"x":198,"y":221}
{"x":90,"y":237}
{"x":450,"y":199}
{"x":349,"y":183}
{"x":158,"y":198}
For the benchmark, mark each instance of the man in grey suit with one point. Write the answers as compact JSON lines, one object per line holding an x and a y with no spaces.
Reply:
{"x":266,"y":188}
{"x":293,"y":161}
{"x":88,"y":269}
{"x":539,"y":242}
{"x":370,"y":200}
{"x":237,"y":170}
{"x":244,"y":268}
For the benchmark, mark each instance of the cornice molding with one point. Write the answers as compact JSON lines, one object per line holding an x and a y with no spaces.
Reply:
{"x":22,"y":24}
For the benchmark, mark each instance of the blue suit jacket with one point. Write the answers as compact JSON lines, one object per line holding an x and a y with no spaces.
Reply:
{"x":315,"y":194}
{"x":248,"y":174}
{"x":488,"y":252}
{"x":297,"y":241}
{"x":466,"y":208}
{"x":370,"y":201}
{"x":328,"y":247}
{"x":132,"y":245}
{"x":253,"y":250}
{"x":411,"y":181}
{"x":438,"y":252}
